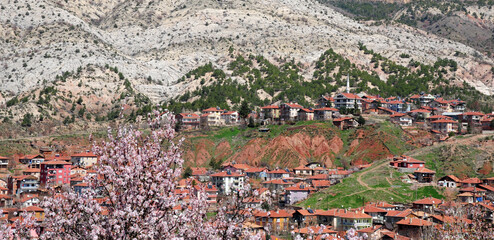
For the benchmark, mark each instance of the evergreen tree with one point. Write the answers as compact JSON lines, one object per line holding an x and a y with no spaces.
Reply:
{"x":27,"y":120}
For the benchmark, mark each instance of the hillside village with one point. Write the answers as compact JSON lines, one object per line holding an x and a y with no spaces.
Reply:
{"x":276,"y":195}
{"x":442,"y":117}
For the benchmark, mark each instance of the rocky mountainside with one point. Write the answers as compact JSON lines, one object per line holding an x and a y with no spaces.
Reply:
{"x":154,"y":43}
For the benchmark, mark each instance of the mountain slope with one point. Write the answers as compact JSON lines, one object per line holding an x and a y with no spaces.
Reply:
{"x":162,"y":40}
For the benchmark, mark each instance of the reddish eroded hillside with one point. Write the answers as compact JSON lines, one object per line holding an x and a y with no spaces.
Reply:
{"x":296,"y":146}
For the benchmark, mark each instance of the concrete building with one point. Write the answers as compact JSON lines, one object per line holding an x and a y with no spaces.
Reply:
{"x":228,"y":182}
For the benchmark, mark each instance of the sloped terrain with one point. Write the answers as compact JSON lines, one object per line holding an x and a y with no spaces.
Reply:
{"x":162,"y":40}
{"x":292,"y":146}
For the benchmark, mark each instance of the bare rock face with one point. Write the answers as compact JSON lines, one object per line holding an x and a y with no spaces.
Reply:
{"x":165,"y":39}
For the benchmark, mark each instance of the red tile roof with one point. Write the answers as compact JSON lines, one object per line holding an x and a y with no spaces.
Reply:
{"x":213,"y":109}
{"x":55,"y":162}
{"x":473,"y":114}
{"x":354,"y":215}
{"x":300,"y":187}
{"x":331,"y":212}
{"x":419,"y":111}
{"x":4,"y":158}
{"x":274,"y":214}
{"x":306,"y":110}
{"x":84,"y":154}
{"x":225,"y":174}
{"x":414,"y":222}
{"x":315,"y":229}
{"x":293,"y":105}
{"x":33,"y":209}
{"x":189,"y":115}
{"x":351,"y":95}
{"x":424,"y":170}
{"x":444,"y":121}
{"x":401,"y":214}
{"x":471,"y":181}
{"x":270,"y":107}
{"x":321,"y":183}
{"x":326,"y":109}
{"x":279,"y":181}
{"x":255,"y":169}
{"x":278,"y":171}
{"x":428,"y":201}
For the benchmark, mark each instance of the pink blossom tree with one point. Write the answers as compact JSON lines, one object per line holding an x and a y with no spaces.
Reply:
{"x":133,"y":197}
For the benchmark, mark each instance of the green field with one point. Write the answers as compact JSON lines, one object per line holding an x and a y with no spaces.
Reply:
{"x":380,"y":183}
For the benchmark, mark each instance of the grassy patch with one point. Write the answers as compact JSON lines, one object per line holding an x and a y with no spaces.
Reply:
{"x":384,"y":184}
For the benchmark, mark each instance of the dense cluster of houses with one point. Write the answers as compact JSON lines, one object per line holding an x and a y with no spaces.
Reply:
{"x":434,"y":113}
{"x":24,"y":187}
{"x":378,"y":220}
{"x":23,"y":190}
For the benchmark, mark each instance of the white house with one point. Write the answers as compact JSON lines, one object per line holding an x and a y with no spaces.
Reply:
{"x":229,"y":117}
{"x":84,"y":159}
{"x":228,"y":182}
{"x":401,"y":119}
{"x":348,"y":101}
{"x":289,"y":111}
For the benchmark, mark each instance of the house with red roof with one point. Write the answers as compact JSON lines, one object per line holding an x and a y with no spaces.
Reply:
{"x":325,"y":113}
{"x":450,"y":181}
{"x":329,"y":217}
{"x":228,"y":182}
{"x":297,"y":193}
{"x":303,"y":170}
{"x":277,"y":184}
{"x":345,"y":123}
{"x":406,"y":163}
{"x":278,"y":174}
{"x":316,"y":232}
{"x":401,"y":119}
{"x":424,"y":175}
{"x":270,"y":113}
{"x":325,"y":101}
{"x":33,"y":160}
{"x":413,"y":227}
{"x":188,"y":120}
{"x":257,"y":172}
{"x":279,"y":220}
{"x":305,"y":217}
{"x":376,"y":213}
{"x":444,"y":126}
{"x":426,"y":204}
{"x":55,"y":172}
{"x":4,"y":163}
{"x":84,"y":159}
{"x":347,"y":101}
{"x":306,"y":114}
{"x":441,"y":104}
{"x":470,"y":182}
{"x":472,"y":117}
{"x":289,"y":111}
{"x":230,"y":117}
{"x":419,"y":114}
{"x":373,"y":232}
{"x":23,"y":184}
{"x":397,"y":105}
{"x":394,"y":216}
{"x":353,"y":219}
{"x":200,"y":173}
{"x":487,"y":122}
{"x":320,"y":184}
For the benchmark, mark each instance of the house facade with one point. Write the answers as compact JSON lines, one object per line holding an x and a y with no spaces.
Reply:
{"x":55,"y":173}
{"x":228,"y":181}
{"x":325,"y":113}
{"x":84,"y":159}
{"x":347,"y":101}
{"x":4,"y":163}
{"x":188,"y":120}
{"x":271,"y":113}
{"x":289,"y":111}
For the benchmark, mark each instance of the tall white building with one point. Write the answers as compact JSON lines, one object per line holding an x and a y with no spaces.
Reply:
{"x":228,"y":182}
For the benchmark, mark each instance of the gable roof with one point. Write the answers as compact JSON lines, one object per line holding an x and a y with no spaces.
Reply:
{"x":424,"y":170}
{"x":452,"y":177}
{"x":414,"y":222}
{"x":350,"y":95}
{"x":271,"y":107}
{"x":428,"y":201}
